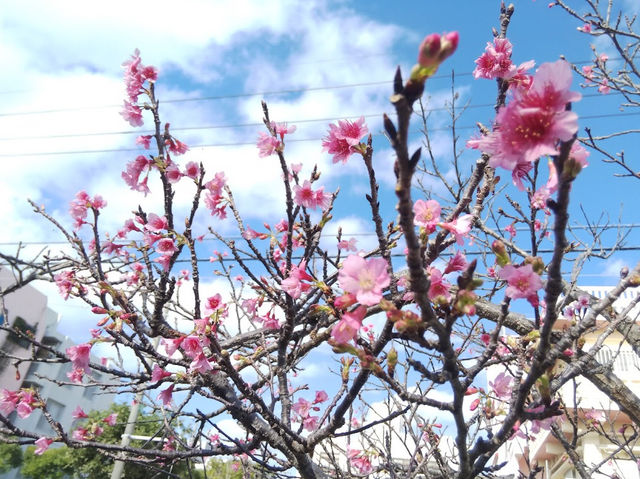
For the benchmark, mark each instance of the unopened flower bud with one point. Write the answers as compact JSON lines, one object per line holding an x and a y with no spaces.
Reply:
{"x":448,"y":45}
{"x":344,"y":301}
{"x":536,"y":262}
{"x":392,"y":360}
{"x":429,"y":51}
{"x":502,"y":257}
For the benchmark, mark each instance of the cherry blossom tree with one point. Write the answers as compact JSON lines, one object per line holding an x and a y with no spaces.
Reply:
{"x":405,"y":321}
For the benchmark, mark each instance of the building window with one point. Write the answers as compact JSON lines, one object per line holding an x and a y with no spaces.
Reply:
{"x":621,"y":360}
{"x":56,"y":410}
{"x":19,"y":324}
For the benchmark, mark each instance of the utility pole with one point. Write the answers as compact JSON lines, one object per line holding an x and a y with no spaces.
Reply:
{"x":118,"y":465}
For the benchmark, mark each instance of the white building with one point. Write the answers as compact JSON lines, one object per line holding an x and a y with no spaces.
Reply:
{"x":27,"y":309}
{"x":592,"y":408}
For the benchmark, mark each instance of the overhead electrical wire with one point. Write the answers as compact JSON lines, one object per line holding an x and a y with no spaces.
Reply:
{"x":245,"y":125}
{"x":245,"y":95}
{"x":344,"y":235}
{"x":249,"y":143}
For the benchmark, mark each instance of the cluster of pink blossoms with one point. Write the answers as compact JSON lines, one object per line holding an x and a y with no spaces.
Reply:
{"x":214,"y":199}
{"x":269,"y":144}
{"x":93,"y":429}
{"x":359,"y":460}
{"x":496,"y":62}
{"x":344,"y":138}
{"x":534,"y":121}
{"x":78,"y":207}
{"x":135,"y":74}
{"x":23,"y":402}
{"x":79,"y":357}
{"x":66,"y":281}
{"x":294,"y":284}
{"x":308,"y":198}
{"x":303,"y":409}
{"x":427,"y":215}
{"x":193,"y":345}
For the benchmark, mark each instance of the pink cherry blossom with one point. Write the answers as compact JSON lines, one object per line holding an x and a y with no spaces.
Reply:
{"x":604,"y":87}
{"x":8,"y":401}
{"x":144,"y":141}
{"x":164,"y":261}
{"x":158,"y":374}
{"x":307,"y":198}
{"x":111,"y":419}
{"x":215,"y":304}
{"x":519,"y":172}
{"x":348,"y":245}
{"x":166,"y":395}
{"x":321,"y":396}
{"x":76,"y":375}
{"x":134,"y":169}
{"x":293,"y":284}
{"x":267,"y":145}
{"x":78,"y":413}
{"x":200,"y":364}
{"x":282,"y":129}
{"x":192,"y":346}
{"x":495,"y":62}
{"x":214,"y":199}
{"x":80,"y":434}
{"x":364,"y":278}
{"x":426,"y":214}
{"x":135,"y":74}
{"x":166,"y":246}
{"x":43,"y":444}
{"x":132,"y":114}
{"x":270,"y":321}
{"x":502,"y":385}
{"x":533,"y":122}
{"x":171,"y":345}
{"x":457,"y":262}
{"x":192,"y":170}
{"x":593,"y":415}
{"x":460,"y":227}
{"x":24,"y":409}
{"x":79,"y":356}
{"x":176,"y":146}
{"x":347,"y":328}
{"x":65,"y":281}
{"x":343,"y":138}
{"x":438,"y":286}
{"x":359,"y":461}
{"x":579,"y":154}
{"x":522,"y":281}
{"x":173,"y":173}
{"x":310,"y":423}
{"x":302,"y":407}
{"x":156,"y":223}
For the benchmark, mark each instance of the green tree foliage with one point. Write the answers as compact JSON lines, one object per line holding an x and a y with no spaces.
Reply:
{"x":10,"y":457}
{"x":60,"y":462}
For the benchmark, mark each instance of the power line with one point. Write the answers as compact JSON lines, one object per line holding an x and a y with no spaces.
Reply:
{"x":244,"y":95}
{"x":327,"y":235}
{"x":249,"y":143}
{"x":244,"y":125}
{"x":393,"y":255}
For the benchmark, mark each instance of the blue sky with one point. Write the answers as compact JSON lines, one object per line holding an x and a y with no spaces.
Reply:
{"x":68,"y":58}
